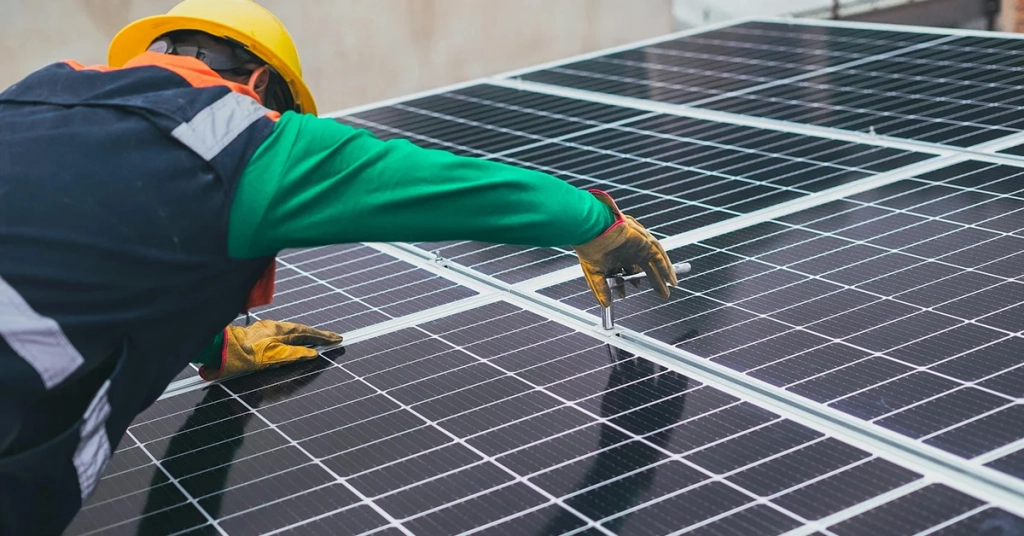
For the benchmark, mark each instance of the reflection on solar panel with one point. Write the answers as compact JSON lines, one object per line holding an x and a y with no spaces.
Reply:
{"x":846,"y":356}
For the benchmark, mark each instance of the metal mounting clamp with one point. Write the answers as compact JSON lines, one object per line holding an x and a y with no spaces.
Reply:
{"x":619,"y":280}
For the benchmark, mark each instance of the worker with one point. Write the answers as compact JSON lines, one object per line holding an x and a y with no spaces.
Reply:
{"x":143,"y":202}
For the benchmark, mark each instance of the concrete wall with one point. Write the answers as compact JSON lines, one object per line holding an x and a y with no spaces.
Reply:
{"x":358,"y":51}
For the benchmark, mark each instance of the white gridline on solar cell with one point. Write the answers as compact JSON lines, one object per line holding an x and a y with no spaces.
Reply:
{"x":314,"y":283}
{"x":176,"y":484}
{"x":418,"y":379}
{"x":531,"y":444}
{"x":165,"y":415}
{"x":524,"y":124}
{"x":428,"y":335}
{"x":745,"y":91}
{"x":350,"y":298}
{"x":541,"y":140}
{"x":704,"y":293}
{"x":483,"y":246}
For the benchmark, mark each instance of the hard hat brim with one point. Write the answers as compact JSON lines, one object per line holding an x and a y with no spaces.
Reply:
{"x":135,"y":38}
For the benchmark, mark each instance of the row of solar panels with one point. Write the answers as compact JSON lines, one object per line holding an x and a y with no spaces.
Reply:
{"x":878,"y":282}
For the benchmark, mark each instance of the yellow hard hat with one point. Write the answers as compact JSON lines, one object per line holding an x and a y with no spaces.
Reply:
{"x":243,"y":21}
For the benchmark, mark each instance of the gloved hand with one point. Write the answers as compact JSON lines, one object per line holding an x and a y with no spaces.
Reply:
{"x":266,"y":344}
{"x":627,"y":246}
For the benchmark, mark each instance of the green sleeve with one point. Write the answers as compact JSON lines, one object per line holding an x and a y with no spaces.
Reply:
{"x":316,"y":181}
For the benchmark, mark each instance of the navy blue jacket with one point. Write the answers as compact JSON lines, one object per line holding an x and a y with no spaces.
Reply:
{"x":115,"y":193}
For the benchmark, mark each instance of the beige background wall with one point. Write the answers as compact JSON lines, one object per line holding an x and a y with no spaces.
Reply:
{"x":358,"y":51}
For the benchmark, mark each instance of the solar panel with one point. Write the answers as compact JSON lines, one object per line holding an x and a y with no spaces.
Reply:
{"x":947,"y":89}
{"x":498,"y":419}
{"x":844,"y":358}
{"x":900,"y":305}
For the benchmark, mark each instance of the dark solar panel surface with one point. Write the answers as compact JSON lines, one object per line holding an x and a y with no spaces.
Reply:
{"x":675,"y":174}
{"x":903,"y":305}
{"x":900,"y":307}
{"x":347,"y":287}
{"x":933,"y":88}
{"x":716,"y":63}
{"x":499,"y":418}
{"x":342,"y":288}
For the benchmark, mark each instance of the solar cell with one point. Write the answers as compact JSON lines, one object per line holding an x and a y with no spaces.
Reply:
{"x":899,"y":306}
{"x":455,"y":425}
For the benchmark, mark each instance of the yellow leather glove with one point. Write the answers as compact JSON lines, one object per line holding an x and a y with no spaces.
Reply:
{"x":625,"y":246}
{"x":266,"y":344}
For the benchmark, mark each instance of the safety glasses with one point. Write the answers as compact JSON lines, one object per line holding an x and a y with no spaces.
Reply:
{"x":217,"y":60}
{"x":231,"y":58}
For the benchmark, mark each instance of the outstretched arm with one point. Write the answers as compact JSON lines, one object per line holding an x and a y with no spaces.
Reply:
{"x":316,"y":181}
